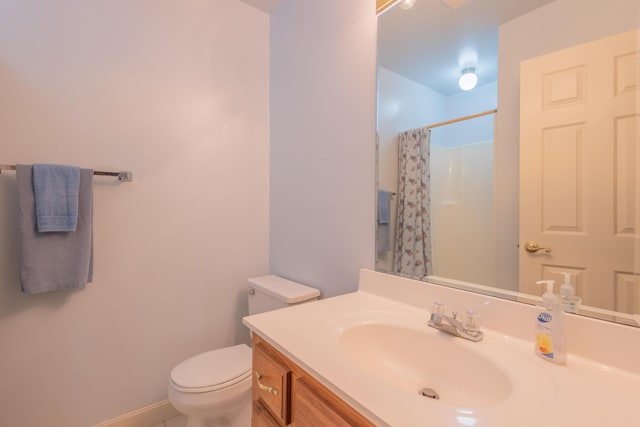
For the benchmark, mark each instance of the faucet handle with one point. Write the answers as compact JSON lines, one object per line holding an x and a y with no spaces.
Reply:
{"x":437,"y":307}
{"x":472,"y":321}
{"x":437,"y":311}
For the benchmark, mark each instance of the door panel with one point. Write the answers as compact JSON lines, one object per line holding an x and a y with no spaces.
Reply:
{"x":578,"y":136}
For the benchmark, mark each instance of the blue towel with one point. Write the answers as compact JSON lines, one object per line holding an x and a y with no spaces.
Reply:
{"x":384,"y":198}
{"x":54,"y":261}
{"x":56,"y":193}
{"x":383,"y":243}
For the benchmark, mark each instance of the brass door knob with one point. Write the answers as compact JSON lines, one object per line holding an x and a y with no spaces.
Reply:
{"x":533,"y":247}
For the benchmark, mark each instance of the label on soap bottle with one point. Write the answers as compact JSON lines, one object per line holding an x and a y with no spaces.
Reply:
{"x":545,"y":317}
{"x":544,"y":344}
{"x":544,"y":341}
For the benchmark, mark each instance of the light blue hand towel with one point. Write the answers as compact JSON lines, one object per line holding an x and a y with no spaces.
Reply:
{"x":56,"y":194}
{"x":54,"y":261}
{"x":383,"y":238}
{"x":384,"y":198}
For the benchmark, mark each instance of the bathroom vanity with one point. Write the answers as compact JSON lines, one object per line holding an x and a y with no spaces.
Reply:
{"x":370,"y":358}
{"x":284,"y":394}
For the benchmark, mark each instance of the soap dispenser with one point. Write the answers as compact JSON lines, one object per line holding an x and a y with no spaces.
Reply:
{"x":550,"y":340}
{"x":569,"y":302}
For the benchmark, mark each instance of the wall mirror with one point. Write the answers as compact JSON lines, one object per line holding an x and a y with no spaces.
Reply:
{"x":531,"y":175}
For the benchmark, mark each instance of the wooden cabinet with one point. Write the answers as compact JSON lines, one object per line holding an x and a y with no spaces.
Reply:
{"x":271,"y":382}
{"x":285,"y":395}
{"x":261,"y":417}
{"x":317,"y":406}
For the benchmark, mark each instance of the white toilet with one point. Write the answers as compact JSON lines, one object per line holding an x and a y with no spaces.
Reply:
{"x":214,"y":388}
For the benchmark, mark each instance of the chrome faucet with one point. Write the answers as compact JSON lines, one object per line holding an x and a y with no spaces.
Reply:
{"x":468,"y":329}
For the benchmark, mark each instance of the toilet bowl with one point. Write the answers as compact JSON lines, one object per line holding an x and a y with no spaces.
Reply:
{"x":213,"y":389}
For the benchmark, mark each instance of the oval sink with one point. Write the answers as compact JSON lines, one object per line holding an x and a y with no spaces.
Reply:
{"x":411,"y":360}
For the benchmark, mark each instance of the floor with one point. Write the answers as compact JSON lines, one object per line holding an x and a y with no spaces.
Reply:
{"x":180,"y":421}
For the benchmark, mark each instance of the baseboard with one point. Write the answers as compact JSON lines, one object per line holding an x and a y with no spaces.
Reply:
{"x":149,"y":416}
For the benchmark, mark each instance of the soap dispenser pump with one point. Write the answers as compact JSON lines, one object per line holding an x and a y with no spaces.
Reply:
{"x":569,"y":302}
{"x":550,"y":341}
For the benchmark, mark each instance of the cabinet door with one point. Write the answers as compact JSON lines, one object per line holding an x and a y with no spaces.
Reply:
{"x":261,"y":417}
{"x":271,"y":378}
{"x":315,"y":406}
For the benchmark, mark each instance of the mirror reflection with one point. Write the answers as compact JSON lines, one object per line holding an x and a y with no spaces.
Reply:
{"x":542,"y":189}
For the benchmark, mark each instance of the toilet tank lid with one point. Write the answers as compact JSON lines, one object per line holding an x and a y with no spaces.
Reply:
{"x":284,"y":290}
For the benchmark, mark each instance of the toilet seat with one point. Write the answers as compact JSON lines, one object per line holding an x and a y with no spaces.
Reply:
{"x":213,"y":370}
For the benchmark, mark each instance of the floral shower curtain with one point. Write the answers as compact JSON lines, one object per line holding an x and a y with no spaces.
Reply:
{"x":413,"y":225}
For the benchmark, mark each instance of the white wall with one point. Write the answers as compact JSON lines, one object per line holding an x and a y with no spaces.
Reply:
{"x":322,"y":141}
{"x":560,"y":24}
{"x":176,"y":92}
{"x":466,"y":103}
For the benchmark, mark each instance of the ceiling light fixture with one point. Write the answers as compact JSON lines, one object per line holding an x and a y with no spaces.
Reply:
{"x":406,"y":4}
{"x":468,"y":79}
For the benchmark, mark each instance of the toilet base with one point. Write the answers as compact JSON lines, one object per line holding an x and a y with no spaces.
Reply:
{"x":228,"y":407}
{"x":240,"y":418}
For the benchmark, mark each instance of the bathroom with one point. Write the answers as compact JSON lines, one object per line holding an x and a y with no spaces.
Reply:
{"x":178,"y":93}
{"x":210,"y":104}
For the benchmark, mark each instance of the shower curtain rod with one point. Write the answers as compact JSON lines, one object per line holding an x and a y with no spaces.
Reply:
{"x":460,"y":119}
{"x":125,"y":176}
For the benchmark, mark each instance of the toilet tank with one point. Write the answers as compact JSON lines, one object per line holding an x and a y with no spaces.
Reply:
{"x":272,"y":292}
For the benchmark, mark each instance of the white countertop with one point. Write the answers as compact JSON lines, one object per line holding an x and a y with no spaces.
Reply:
{"x":580,"y":393}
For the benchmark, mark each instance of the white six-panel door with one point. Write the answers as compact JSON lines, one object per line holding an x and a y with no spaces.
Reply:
{"x":578,"y":146}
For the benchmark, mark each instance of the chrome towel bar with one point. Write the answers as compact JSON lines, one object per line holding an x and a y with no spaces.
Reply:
{"x":124,"y":176}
